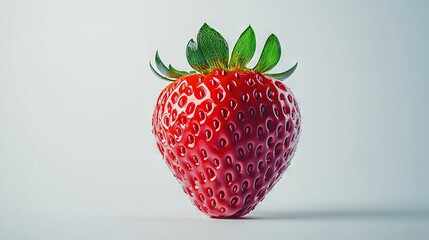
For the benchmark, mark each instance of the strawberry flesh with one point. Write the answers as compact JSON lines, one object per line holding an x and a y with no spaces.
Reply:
{"x":227,"y":136}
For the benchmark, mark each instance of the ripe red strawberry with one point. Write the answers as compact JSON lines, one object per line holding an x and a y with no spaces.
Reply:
{"x":227,"y":133}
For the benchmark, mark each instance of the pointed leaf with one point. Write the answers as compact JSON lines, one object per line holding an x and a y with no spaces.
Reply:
{"x":283,"y":75}
{"x":244,"y":49}
{"x":213,"y":46}
{"x":270,"y":55}
{"x":195,"y":57}
{"x":163,"y":69}
{"x":175,"y":71}
{"x":159,"y":75}
{"x":160,"y":65}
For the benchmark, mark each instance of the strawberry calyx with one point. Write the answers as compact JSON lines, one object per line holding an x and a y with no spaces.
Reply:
{"x":211,"y":51}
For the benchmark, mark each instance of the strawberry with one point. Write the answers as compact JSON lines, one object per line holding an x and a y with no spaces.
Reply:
{"x":227,"y":132}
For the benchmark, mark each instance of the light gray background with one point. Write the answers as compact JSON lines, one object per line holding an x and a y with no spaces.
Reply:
{"x":78,"y":160}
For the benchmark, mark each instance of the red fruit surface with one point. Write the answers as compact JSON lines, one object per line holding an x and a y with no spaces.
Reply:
{"x":227,"y":136}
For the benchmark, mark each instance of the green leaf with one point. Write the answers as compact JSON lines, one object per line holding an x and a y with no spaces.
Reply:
{"x":270,"y":55}
{"x":170,"y":71}
{"x":175,"y":71}
{"x":244,"y":49}
{"x":160,"y":65}
{"x":283,"y":75}
{"x":213,"y":46}
{"x":196,"y":57}
{"x":159,"y":75}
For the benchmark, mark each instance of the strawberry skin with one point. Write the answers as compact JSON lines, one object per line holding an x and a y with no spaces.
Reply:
{"x":227,"y":136}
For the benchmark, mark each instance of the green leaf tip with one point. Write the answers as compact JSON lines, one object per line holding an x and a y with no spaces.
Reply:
{"x":160,"y":65}
{"x":168,"y":72}
{"x":244,"y":49}
{"x":177,"y":72}
{"x":270,"y":55}
{"x":213,"y":46}
{"x":159,"y":75}
{"x":195,"y":57}
{"x":210,"y":50}
{"x":283,"y":75}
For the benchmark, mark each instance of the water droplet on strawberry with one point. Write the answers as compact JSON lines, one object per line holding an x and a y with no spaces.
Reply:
{"x":201,"y":196}
{"x":240,"y":152}
{"x":232,"y":103}
{"x":214,"y":82}
{"x":260,"y":131}
{"x":288,"y":126}
{"x":252,"y":112}
{"x":270,"y":141}
{"x":231,"y":127}
{"x":235,"y":189}
{"x":240,"y":116}
{"x":228,"y":160}
{"x":244,"y":185}
{"x":229,"y":177}
{"x":196,"y":128}
{"x":221,"y":194}
{"x":191,"y":141}
{"x":210,"y":192}
{"x":213,"y":203}
{"x":224,"y":113}
{"x":188,"y":167}
{"x":245,"y":98}
{"x":222,"y":142}
{"x":236,"y":137}
{"x":260,"y":165}
{"x":202,"y":116}
{"x":208,"y":105}
{"x":204,"y":154}
{"x":250,"y":147}
{"x":238,"y":167}
{"x":201,"y":93}
{"x":247,"y":130}
{"x":250,"y":168}
{"x":216,"y":124}
{"x":257,"y":183}
{"x":258,"y":151}
{"x":276,"y":112}
{"x":234,"y":201}
{"x":247,"y":199}
{"x":182,"y":101}
{"x":174,"y":97}
{"x":195,"y":160}
{"x":208,"y":134}
{"x":257,"y":94}
{"x":190,"y":108}
{"x":263,"y":110}
{"x":216,"y":162}
{"x":182,"y":151}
